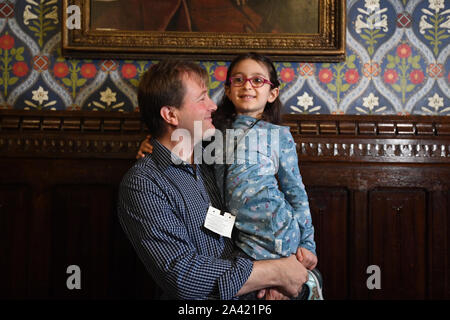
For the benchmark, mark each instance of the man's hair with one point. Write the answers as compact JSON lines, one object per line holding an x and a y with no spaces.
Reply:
{"x":162,"y":85}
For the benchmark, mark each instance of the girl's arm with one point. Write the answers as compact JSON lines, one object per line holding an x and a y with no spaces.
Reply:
{"x":144,"y":148}
{"x":291,"y":184}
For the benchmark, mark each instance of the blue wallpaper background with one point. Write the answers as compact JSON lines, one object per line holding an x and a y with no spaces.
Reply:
{"x":397,"y":63}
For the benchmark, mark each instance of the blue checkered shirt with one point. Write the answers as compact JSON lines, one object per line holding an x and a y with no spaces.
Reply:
{"x":162,"y":209}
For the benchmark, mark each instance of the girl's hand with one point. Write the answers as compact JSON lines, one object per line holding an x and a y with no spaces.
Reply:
{"x":145,"y":147}
{"x":307,"y":258}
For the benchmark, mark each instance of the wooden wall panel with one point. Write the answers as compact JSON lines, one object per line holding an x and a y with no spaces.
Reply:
{"x":445,"y":257}
{"x":15,"y":248}
{"x":329,"y":210}
{"x":398,"y":236}
{"x":58,"y":189}
{"x":84,"y":236}
{"x":438,"y":219}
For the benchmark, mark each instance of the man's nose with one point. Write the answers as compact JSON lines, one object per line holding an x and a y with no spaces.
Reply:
{"x":213,"y":105}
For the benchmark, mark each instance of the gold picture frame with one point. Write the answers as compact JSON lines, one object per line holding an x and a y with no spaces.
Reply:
{"x":326,"y":45}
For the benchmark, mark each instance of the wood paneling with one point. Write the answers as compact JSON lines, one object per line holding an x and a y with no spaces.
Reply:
{"x":329,"y":210}
{"x":84,"y":236}
{"x":397,"y":242}
{"x":378,"y":188}
{"x":15,"y":213}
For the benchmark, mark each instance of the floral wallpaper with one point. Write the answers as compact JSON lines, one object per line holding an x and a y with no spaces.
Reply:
{"x":397,"y":63}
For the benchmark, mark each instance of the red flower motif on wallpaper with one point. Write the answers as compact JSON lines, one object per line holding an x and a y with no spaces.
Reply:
{"x":220,"y":73}
{"x":325,"y":75}
{"x":74,"y":73}
{"x":61,"y":69}
{"x":20,"y":69}
{"x":352,"y":76}
{"x":390,"y":76}
{"x":404,"y":51}
{"x":287,"y":74}
{"x":129,"y":71}
{"x":88,"y":70}
{"x":403,"y":72}
{"x":216,"y":72}
{"x":10,"y":55}
{"x":416,"y":76}
{"x":340,"y":77}
{"x":6,"y":42}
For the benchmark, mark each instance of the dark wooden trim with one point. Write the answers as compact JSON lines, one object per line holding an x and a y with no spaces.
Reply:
{"x":412,"y":139}
{"x":59,"y":174}
{"x":78,"y":134}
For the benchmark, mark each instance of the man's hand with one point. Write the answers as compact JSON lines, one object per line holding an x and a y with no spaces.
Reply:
{"x":286,"y":275}
{"x":307,"y":258}
{"x":145,"y":147}
{"x":292,"y":275}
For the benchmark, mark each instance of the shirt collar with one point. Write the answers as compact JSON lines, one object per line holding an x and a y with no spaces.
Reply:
{"x":165,"y":158}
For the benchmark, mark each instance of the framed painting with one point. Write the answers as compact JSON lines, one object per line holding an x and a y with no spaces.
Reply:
{"x":288,"y":30}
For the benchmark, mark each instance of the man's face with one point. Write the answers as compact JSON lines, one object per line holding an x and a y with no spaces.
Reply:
{"x":197,"y":107}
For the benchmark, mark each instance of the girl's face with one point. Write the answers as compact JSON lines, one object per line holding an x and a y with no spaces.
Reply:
{"x":246,"y":99}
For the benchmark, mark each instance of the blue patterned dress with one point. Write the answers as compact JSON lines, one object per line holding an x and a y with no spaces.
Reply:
{"x":272,"y":217}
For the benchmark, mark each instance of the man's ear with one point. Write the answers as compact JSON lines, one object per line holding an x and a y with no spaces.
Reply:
{"x":169,"y":115}
{"x":273,"y":94}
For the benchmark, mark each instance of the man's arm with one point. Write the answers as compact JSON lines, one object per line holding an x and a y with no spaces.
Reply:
{"x":286,"y":274}
{"x":163,"y":243}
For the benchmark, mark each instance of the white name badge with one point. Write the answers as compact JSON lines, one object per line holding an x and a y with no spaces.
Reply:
{"x":219,"y":223}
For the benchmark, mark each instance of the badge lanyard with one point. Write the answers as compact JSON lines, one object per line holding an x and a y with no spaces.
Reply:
{"x":217,"y":221}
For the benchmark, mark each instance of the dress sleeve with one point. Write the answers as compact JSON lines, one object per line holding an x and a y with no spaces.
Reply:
{"x":156,"y":230}
{"x":291,"y":184}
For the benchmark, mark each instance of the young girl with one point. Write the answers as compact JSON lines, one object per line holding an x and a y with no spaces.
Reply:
{"x":267,"y":196}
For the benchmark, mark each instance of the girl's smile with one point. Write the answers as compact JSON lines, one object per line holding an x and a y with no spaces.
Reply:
{"x":247,"y":99}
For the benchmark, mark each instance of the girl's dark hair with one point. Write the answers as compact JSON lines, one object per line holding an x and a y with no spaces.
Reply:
{"x":226,"y":112}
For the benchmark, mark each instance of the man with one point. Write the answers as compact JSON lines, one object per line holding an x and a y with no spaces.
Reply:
{"x":165,"y":197}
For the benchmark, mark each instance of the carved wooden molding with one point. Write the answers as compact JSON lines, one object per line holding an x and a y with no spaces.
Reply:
{"x":368,"y":126}
{"x":77,"y":134}
{"x":402,"y":151}
{"x":82,"y":134}
{"x":413,"y":139}
{"x":70,"y":121}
